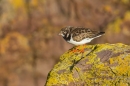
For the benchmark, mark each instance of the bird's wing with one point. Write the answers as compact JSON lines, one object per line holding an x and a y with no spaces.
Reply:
{"x":82,"y":33}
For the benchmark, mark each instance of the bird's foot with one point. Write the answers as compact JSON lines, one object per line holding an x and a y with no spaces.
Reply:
{"x":79,"y":49}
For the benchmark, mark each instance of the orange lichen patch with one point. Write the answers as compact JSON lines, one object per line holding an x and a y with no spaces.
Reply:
{"x":14,"y":41}
{"x":88,"y":69}
{"x":79,"y":49}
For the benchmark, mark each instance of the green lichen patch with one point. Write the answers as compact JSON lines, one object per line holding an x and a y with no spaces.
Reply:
{"x":101,"y":65}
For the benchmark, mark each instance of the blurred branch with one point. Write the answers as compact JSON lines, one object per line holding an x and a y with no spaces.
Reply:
{"x":68,"y":11}
{"x":0,"y":8}
{"x":28,"y":13}
{"x":62,"y":10}
{"x":75,"y":9}
{"x":6,"y":82}
{"x":31,"y":42}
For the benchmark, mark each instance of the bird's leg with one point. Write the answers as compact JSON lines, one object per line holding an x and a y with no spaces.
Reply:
{"x":79,"y":48}
{"x":82,"y":47}
{"x":75,"y":49}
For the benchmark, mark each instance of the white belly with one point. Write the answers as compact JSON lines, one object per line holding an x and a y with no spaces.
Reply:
{"x":84,"y":41}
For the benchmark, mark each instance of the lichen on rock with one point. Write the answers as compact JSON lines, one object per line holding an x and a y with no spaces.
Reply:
{"x":100,"y":65}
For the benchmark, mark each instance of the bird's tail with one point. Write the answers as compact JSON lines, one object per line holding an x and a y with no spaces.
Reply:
{"x":101,"y":33}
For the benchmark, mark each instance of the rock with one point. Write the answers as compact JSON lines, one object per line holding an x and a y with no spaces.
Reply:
{"x":98,"y":65}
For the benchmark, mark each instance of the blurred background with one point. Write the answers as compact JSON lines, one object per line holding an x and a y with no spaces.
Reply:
{"x":29,"y":42}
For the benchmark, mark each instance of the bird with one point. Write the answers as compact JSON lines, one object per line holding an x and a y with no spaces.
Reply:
{"x":79,"y":35}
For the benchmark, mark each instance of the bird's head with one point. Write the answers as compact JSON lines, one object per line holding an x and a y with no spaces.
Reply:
{"x":65,"y":31}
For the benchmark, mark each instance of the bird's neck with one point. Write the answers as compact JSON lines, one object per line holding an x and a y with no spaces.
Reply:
{"x":67,"y":38}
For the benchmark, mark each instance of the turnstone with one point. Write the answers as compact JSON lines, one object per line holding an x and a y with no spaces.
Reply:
{"x":79,"y":35}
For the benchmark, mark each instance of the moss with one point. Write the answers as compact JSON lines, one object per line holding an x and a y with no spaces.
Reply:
{"x":89,"y":69}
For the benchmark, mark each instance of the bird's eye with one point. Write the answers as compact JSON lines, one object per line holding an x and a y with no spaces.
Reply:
{"x":88,"y":31}
{"x":65,"y":32}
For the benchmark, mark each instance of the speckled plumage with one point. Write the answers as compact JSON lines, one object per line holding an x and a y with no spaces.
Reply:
{"x":79,"y":35}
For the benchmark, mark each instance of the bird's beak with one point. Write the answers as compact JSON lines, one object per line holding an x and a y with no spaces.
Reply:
{"x":59,"y":33}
